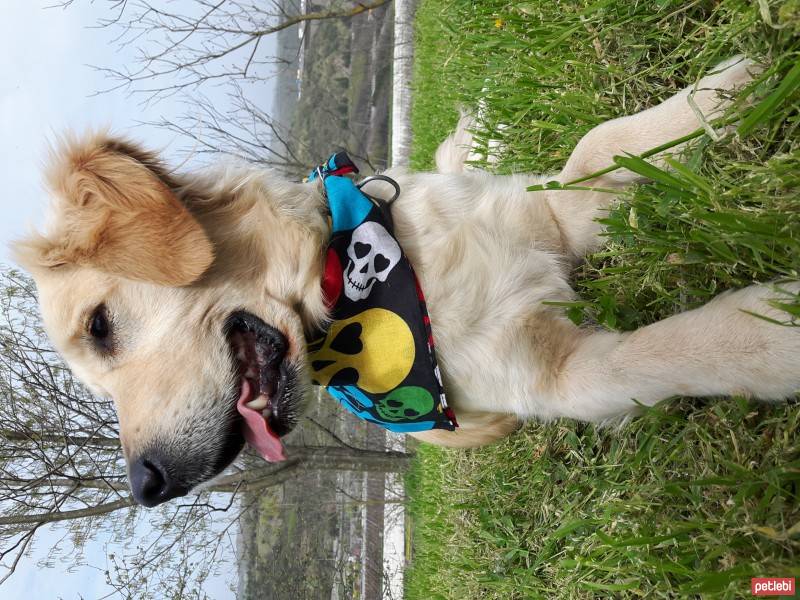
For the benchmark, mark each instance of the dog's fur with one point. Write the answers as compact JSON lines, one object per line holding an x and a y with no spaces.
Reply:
{"x":172,"y":256}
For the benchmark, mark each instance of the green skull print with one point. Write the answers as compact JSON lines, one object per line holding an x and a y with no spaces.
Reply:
{"x":409,"y":402}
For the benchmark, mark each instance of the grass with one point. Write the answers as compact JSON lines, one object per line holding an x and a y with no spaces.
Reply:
{"x":696,"y":496}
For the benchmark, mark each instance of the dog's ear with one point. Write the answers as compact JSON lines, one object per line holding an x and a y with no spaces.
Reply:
{"x":116,"y":211}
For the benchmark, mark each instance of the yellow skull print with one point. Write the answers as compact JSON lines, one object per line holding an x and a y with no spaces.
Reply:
{"x":373,"y":350}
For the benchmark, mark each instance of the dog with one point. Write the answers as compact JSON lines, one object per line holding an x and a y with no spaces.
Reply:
{"x":180,"y":295}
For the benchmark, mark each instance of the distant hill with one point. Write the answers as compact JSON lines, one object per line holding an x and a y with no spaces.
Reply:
{"x":309,"y":536}
{"x":343,"y":99}
{"x":288,"y":52}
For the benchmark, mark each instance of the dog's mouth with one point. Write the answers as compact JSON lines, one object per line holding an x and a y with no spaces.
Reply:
{"x":263,"y":378}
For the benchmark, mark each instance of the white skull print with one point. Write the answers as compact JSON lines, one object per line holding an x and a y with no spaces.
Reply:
{"x":372,"y":254}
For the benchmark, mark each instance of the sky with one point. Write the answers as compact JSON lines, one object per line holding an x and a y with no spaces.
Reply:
{"x":46,"y":88}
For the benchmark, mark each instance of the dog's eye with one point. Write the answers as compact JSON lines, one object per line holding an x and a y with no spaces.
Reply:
{"x":100,"y":327}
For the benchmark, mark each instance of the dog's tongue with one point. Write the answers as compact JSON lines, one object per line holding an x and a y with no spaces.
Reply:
{"x":256,"y":429}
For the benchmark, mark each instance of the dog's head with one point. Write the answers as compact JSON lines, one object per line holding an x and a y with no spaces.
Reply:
{"x":182,"y":300}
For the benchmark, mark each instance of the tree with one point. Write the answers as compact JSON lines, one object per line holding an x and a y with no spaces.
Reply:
{"x":235,"y":52}
{"x":61,"y":464}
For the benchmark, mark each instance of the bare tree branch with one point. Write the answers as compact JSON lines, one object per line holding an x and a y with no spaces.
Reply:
{"x":190,"y":46}
{"x":53,"y":438}
{"x":83,"y":513}
{"x":61,"y":466}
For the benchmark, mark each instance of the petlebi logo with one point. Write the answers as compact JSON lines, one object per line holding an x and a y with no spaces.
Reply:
{"x":772,"y":586}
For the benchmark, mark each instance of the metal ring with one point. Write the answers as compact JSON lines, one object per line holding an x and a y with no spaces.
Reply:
{"x":382,"y":178}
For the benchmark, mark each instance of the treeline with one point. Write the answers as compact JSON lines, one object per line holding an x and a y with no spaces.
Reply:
{"x":343,"y":97}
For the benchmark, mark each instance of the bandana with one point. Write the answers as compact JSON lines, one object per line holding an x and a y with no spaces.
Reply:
{"x":377,"y":355}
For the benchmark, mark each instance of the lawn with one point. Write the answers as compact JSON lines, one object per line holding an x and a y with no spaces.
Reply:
{"x":696,"y":496}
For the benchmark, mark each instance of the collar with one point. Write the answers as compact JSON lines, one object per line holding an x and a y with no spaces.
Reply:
{"x":377,"y":356}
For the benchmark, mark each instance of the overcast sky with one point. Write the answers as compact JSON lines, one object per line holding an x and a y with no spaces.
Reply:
{"x":45,"y":89}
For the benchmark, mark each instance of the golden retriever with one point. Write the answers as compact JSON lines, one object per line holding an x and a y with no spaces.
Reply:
{"x":180,"y":296}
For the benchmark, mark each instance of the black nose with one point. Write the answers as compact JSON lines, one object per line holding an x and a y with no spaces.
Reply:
{"x":151,"y":483}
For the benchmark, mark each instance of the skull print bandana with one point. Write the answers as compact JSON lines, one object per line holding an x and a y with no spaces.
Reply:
{"x":377,"y":356}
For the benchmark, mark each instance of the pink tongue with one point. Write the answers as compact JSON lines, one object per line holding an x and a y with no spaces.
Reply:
{"x":256,"y":429}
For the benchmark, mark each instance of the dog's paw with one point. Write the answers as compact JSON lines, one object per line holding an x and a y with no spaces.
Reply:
{"x":453,"y":153}
{"x":732,"y":74}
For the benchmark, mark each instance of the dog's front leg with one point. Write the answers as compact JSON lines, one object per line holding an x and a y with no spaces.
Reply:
{"x":672,"y":119}
{"x":577,"y":211}
{"x":718,"y":349}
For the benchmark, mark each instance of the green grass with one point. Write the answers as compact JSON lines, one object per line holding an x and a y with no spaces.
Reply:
{"x":695,"y":497}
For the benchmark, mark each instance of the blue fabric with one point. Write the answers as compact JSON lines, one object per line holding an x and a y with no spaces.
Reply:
{"x":345,"y":396}
{"x":348,"y":206}
{"x":377,"y":355}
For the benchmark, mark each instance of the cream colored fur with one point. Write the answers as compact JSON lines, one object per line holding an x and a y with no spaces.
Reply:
{"x":489,"y":255}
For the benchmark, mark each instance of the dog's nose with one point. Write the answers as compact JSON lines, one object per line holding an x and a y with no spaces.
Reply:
{"x":151,"y":483}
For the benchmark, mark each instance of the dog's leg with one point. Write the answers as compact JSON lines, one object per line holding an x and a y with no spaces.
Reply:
{"x":475,"y":429}
{"x":663,"y":123}
{"x":453,"y":153}
{"x":718,"y":349}
{"x":635,"y":134}
{"x":456,"y":153}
